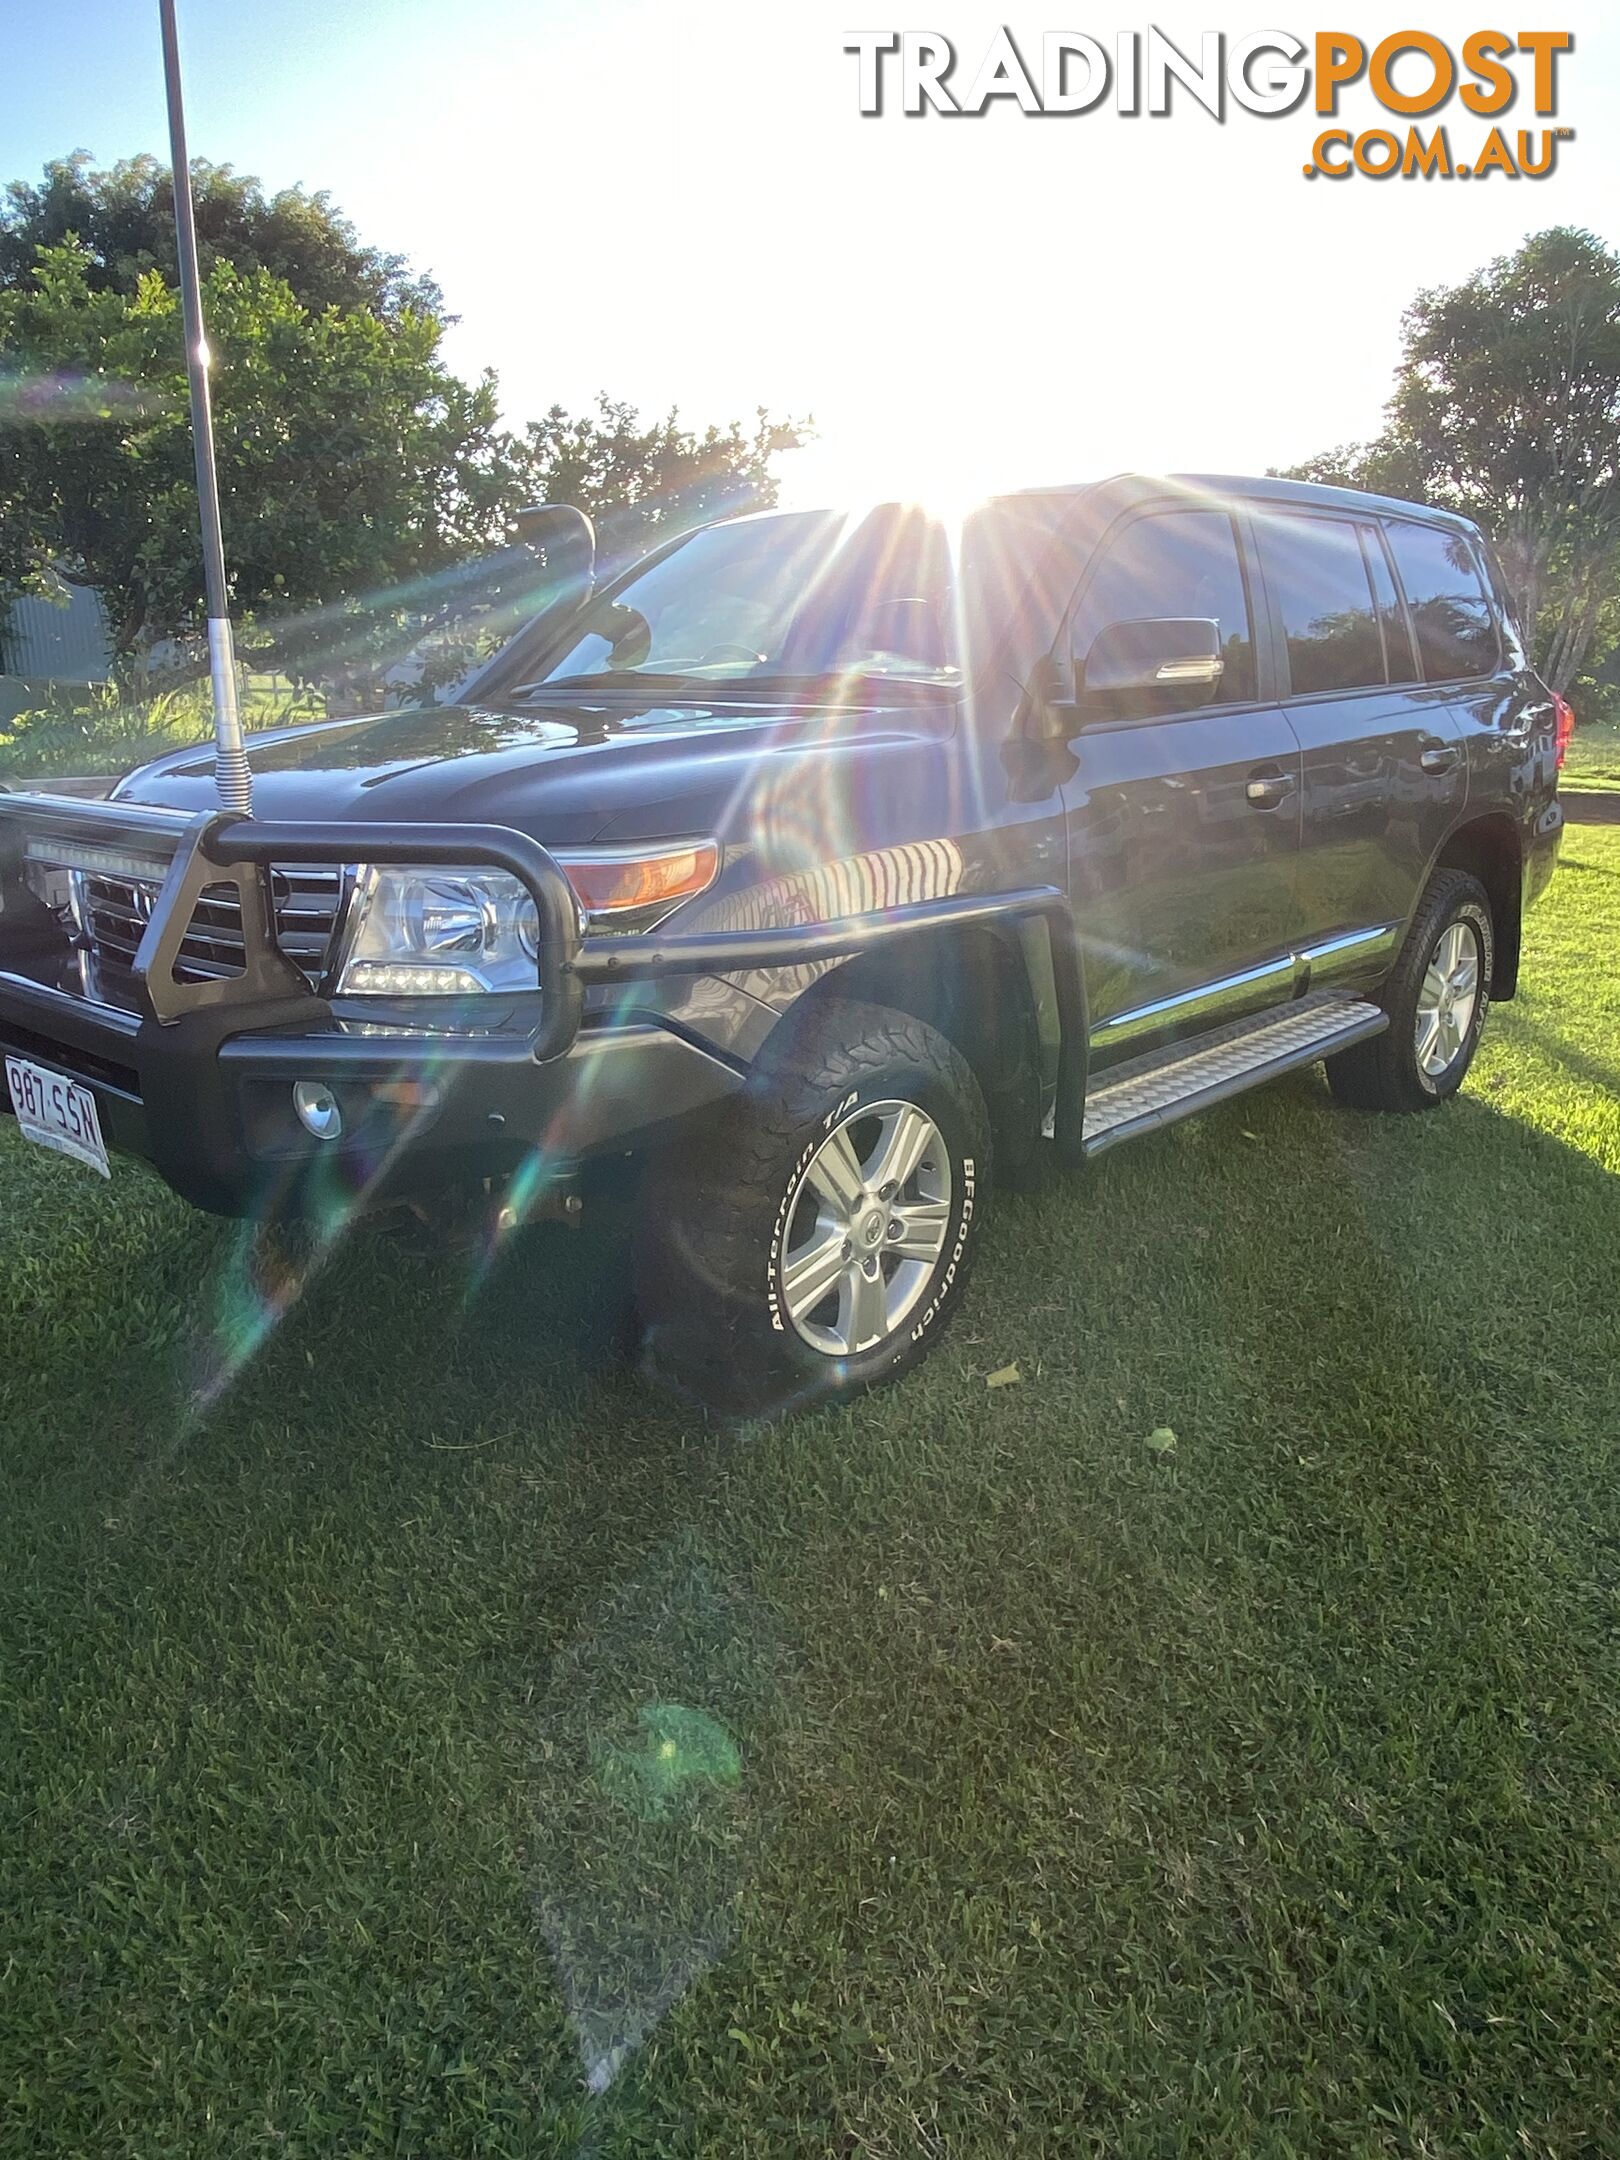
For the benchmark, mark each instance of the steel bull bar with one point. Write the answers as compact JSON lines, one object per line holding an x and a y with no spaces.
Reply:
{"x":192,"y":852}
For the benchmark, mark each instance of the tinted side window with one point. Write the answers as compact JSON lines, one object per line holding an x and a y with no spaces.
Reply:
{"x":1318,"y":578}
{"x":1177,"y":562}
{"x":1456,"y":630}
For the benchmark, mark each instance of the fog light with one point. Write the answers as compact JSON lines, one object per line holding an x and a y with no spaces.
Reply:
{"x":317,"y":1109}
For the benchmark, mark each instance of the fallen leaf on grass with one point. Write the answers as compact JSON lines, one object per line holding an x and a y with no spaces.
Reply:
{"x":1003,"y":1376}
{"x":1162,"y":1440}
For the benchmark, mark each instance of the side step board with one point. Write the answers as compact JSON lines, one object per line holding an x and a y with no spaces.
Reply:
{"x":1158,"y":1089}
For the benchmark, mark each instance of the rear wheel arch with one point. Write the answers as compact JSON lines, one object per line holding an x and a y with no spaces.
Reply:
{"x":1440,"y":983}
{"x":1490,"y":848}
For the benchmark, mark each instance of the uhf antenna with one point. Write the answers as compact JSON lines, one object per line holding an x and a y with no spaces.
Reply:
{"x":232,"y":776}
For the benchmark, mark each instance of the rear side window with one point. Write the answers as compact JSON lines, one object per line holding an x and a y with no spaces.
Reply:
{"x":1318,"y":577}
{"x":1451,"y":611}
{"x":1176,"y":562}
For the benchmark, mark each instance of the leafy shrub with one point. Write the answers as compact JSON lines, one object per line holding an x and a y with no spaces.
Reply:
{"x":77,"y":728}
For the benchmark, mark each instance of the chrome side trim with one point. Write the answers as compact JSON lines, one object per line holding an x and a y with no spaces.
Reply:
{"x":1187,"y":1005}
{"x":1289,"y":975}
{"x":1352,"y":945}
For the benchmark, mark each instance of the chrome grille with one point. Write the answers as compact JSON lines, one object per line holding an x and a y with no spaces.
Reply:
{"x":308,"y":903}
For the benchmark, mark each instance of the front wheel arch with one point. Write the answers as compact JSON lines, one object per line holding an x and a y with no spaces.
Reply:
{"x":713,"y":1241}
{"x":979,"y":989}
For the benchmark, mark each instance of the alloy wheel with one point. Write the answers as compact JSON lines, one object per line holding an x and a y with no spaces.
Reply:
{"x":866,"y":1225}
{"x":1448,"y":999}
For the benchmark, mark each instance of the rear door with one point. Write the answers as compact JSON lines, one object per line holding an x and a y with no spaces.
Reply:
{"x":1183,"y":822}
{"x":1468,"y":657}
{"x":1384,"y":772}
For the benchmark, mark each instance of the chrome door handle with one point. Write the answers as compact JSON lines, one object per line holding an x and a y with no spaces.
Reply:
{"x":1438,"y":759}
{"x":1267,"y":789}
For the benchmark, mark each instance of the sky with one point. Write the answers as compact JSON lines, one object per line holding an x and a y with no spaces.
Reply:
{"x":682,"y":206}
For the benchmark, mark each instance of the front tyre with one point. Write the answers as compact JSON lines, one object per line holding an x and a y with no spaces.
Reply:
{"x":817,"y":1237}
{"x":1436,"y":997}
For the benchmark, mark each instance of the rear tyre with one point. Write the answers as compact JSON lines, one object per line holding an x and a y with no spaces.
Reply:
{"x":816,"y":1238}
{"x":1436,"y":997}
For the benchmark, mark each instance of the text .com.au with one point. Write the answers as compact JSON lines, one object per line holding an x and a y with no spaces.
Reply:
{"x":1412,"y":77}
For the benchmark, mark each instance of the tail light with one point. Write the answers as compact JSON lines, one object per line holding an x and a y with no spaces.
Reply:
{"x":1564,"y":722}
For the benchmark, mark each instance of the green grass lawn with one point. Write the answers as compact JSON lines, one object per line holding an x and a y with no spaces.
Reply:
{"x":1593,"y":758}
{"x":414,"y":1743}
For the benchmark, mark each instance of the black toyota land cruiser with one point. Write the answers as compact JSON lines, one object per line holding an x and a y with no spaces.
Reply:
{"x":829,"y":869}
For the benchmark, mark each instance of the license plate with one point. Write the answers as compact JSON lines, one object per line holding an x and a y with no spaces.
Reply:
{"x":56,"y":1113}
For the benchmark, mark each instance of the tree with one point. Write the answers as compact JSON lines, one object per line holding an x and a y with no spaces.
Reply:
{"x":639,"y":481}
{"x":351,"y":462}
{"x":124,"y":218}
{"x":365,"y":490}
{"x":1507,"y":407}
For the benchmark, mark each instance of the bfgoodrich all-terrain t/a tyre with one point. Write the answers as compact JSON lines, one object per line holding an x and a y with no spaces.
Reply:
{"x":1436,"y":998}
{"x":815,"y":1239}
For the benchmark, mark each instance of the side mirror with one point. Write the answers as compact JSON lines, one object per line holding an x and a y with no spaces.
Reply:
{"x":1047,"y":711}
{"x":1150,"y":656}
{"x":567,"y":539}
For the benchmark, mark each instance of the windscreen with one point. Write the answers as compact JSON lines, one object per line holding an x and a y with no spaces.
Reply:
{"x":809,"y":594}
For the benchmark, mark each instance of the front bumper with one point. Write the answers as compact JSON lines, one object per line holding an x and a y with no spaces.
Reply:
{"x":422,"y":1107}
{"x":198,"y":1076}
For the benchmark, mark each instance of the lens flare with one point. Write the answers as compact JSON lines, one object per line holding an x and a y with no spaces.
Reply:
{"x":649,"y":1805}
{"x":302,"y":1219}
{"x":70,"y":398}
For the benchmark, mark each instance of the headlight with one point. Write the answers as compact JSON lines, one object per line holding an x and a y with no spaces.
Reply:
{"x":428,"y":932}
{"x":440,"y":933}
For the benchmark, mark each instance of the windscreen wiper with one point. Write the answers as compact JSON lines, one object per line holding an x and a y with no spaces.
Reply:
{"x":581,"y":686}
{"x":828,"y":681}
